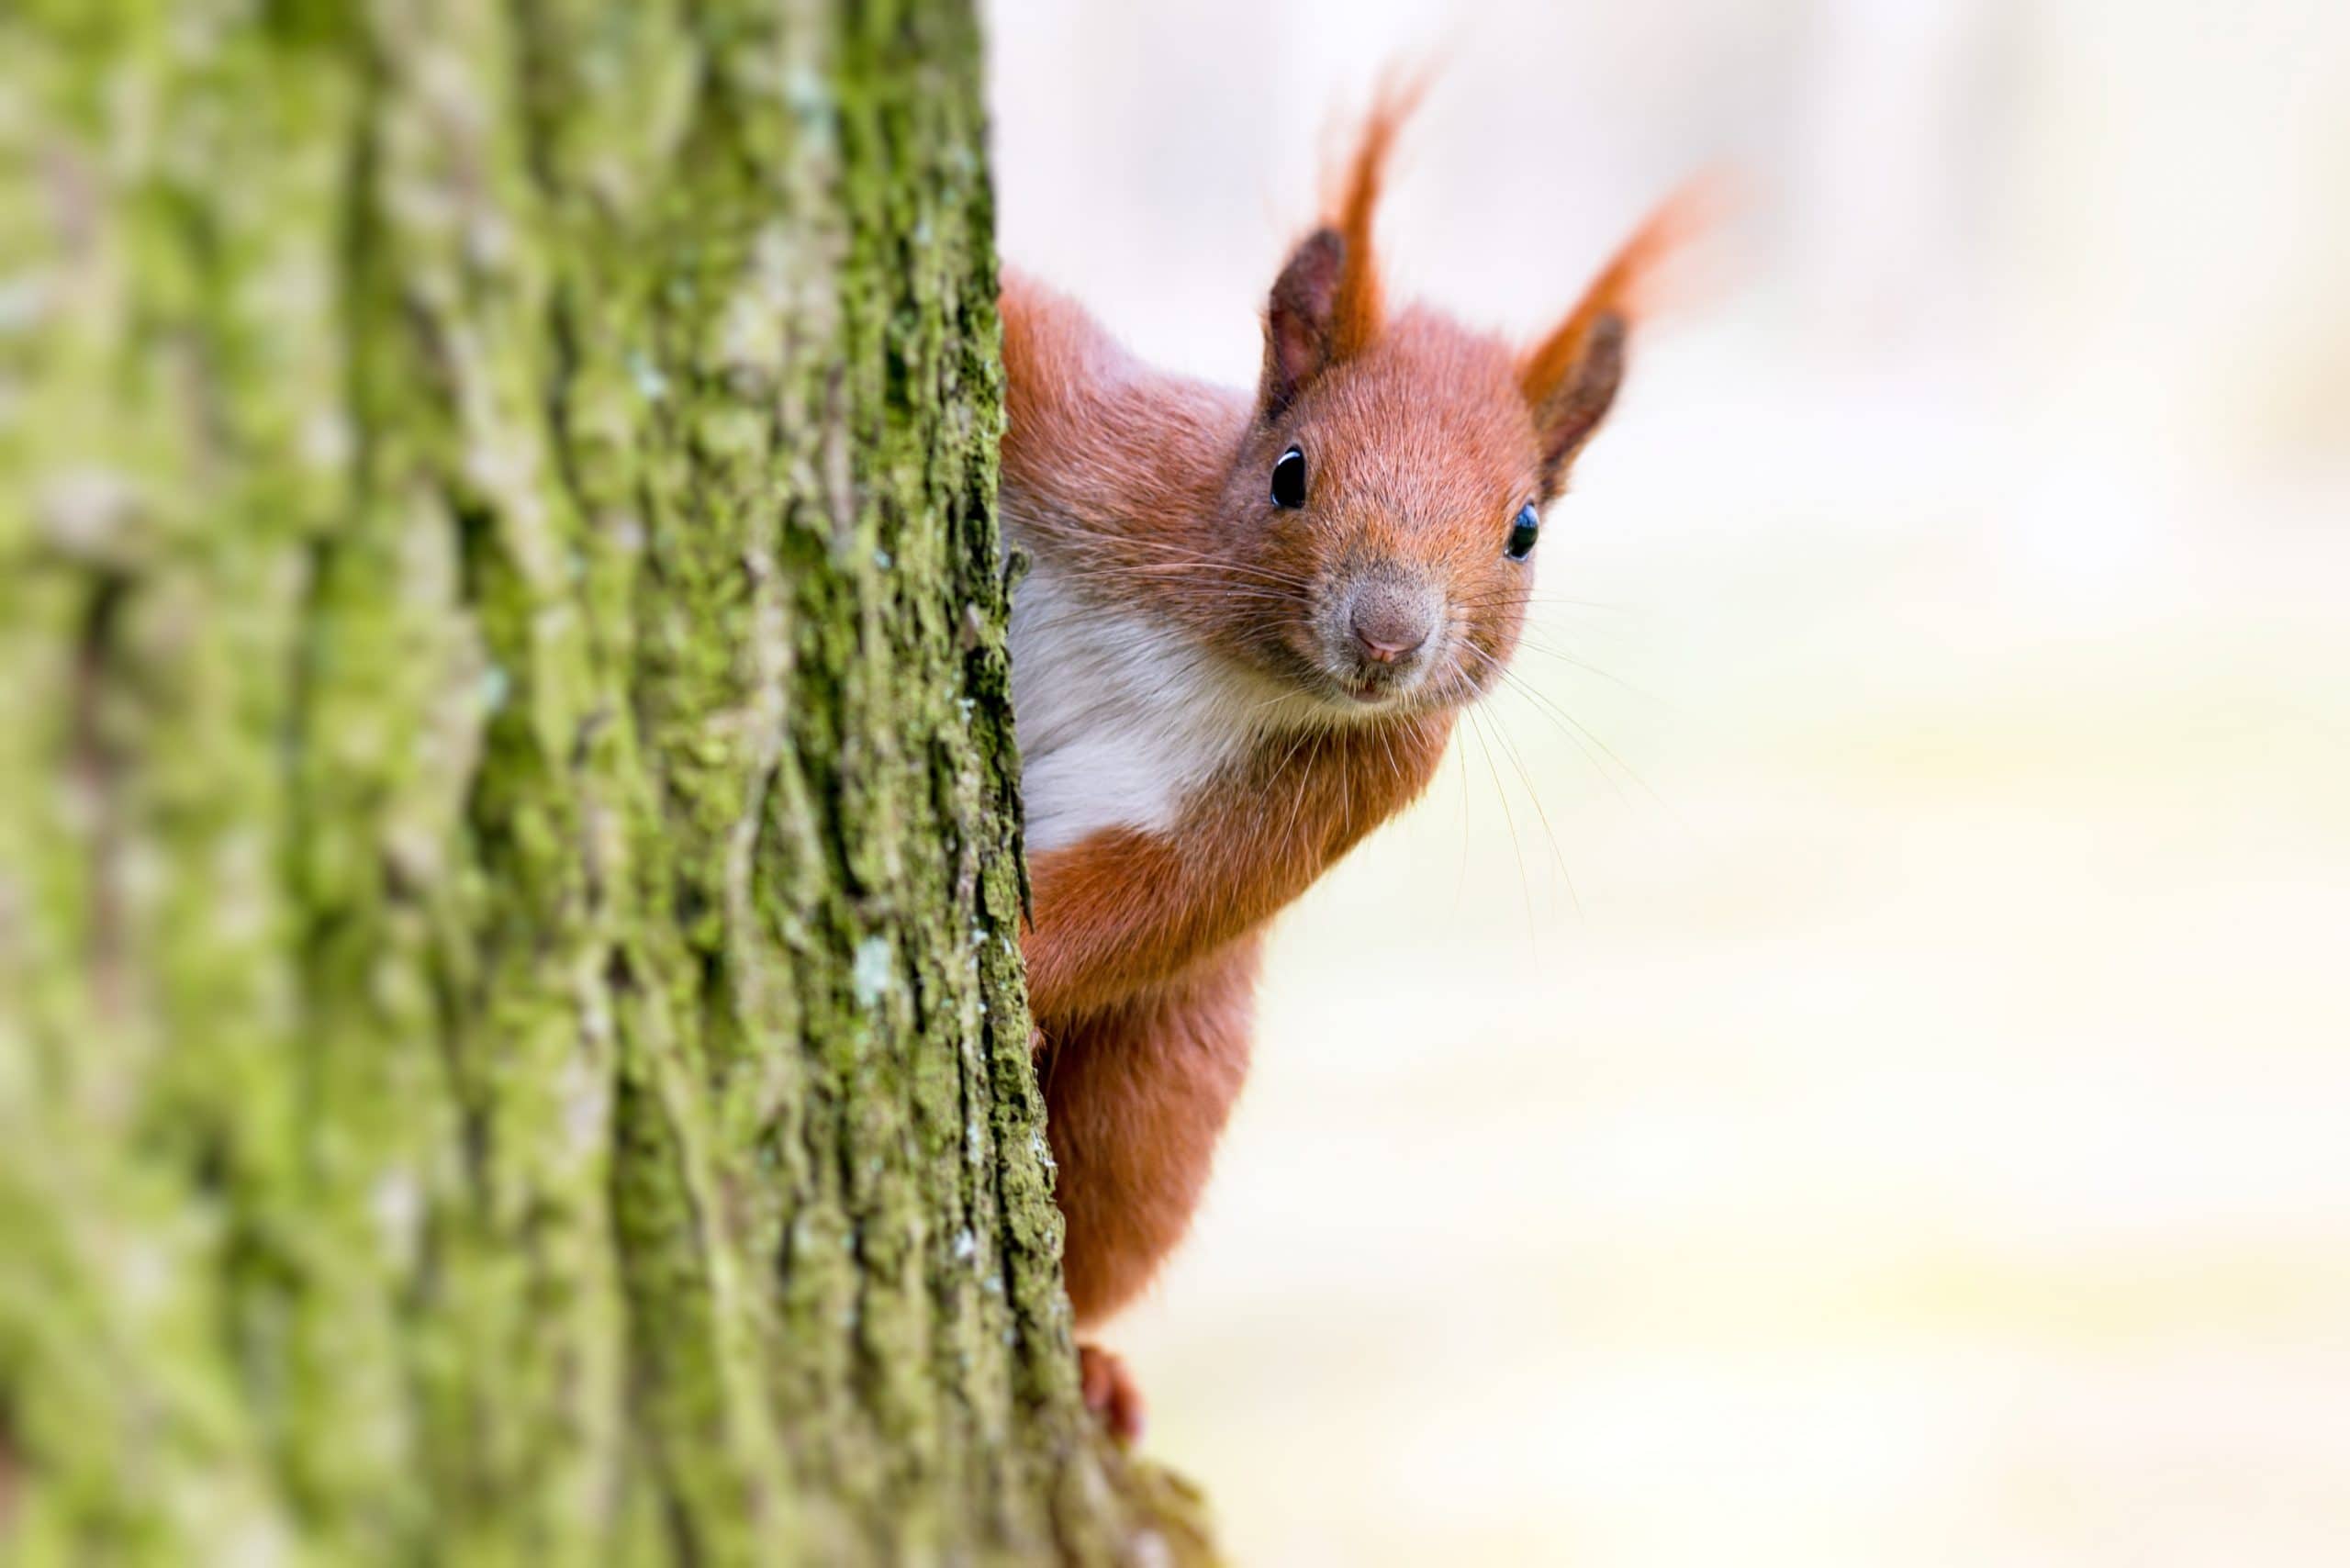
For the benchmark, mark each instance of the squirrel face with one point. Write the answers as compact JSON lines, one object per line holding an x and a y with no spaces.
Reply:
{"x":1355,"y":541}
{"x":1381,"y":514}
{"x":1383,"y":519}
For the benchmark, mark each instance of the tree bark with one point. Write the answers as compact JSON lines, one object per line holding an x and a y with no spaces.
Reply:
{"x":511,"y":1035}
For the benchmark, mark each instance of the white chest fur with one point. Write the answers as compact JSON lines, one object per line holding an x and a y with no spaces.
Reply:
{"x":1120,"y":717}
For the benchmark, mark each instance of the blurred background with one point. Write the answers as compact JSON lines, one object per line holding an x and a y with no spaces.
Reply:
{"x":1852,"y":1065}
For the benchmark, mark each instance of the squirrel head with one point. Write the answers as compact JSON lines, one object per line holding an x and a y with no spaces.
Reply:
{"x":1390,"y":491}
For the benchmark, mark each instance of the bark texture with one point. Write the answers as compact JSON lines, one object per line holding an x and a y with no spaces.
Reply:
{"x":512,"y":1038}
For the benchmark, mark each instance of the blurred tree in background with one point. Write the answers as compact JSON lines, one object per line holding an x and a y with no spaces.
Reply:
{"x":511,"y":1041}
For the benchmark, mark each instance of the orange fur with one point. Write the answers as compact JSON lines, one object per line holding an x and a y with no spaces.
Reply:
{"x":1361,"y":306}
{"x":1144,"y":497}
{"x":1123,"y":912}
{"x":1626,"y":288}
{"x":1135,"y":1097}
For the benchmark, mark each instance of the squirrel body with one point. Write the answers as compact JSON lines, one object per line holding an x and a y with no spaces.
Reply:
{"x":1249,"y":624}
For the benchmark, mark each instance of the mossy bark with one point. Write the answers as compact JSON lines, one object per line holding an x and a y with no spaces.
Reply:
{"x":511,"y":1042}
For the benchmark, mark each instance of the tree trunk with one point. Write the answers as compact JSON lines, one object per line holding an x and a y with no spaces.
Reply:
{"x":511,"y":1037}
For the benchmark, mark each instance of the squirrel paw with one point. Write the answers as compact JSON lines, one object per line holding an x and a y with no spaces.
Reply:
{"x":1110,"y":1393}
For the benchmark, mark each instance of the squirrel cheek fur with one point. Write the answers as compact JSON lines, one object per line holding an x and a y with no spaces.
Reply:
{"x":1217,"y":693}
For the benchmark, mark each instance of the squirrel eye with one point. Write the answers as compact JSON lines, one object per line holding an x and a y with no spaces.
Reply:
{"x":1288,"y":479}
{"x":1522,"y":534}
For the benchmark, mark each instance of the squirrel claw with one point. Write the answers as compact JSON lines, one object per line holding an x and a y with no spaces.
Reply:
{"x":1111,"y":1392}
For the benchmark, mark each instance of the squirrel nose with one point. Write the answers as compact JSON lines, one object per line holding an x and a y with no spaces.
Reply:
{"x":1391,"y":621}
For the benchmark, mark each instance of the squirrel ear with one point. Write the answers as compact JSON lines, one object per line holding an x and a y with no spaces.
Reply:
{"x":1569,"y":378}
{"x":1326,"y":305}
{"x":1572,"y":407}
{"x":1300,"y":318}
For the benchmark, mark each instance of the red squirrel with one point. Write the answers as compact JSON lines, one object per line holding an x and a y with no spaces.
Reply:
{"x":1250,"y":620}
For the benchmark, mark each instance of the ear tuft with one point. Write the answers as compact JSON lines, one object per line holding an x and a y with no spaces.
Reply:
{"x":1326,"y":306}
{"x":1361,"y":306}
{"x":1569,"y":378}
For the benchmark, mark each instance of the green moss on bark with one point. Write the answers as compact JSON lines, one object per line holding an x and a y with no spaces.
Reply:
{"x":512,"y":1038}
